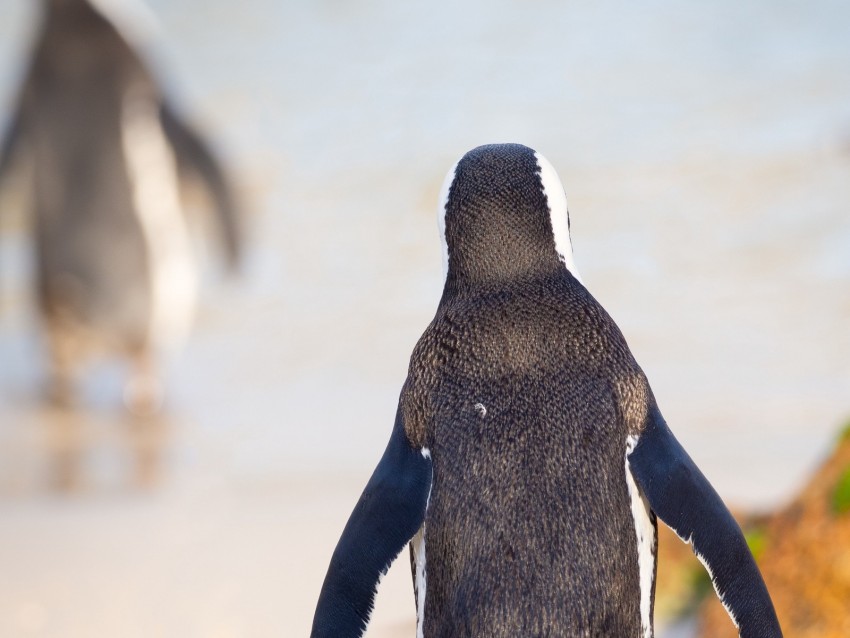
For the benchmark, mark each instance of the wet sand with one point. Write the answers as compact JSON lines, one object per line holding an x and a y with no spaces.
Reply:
{"x":208,"y":556}
{"x":203,"y":561}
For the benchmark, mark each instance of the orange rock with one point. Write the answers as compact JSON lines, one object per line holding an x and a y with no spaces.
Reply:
{"x":805,"y":558}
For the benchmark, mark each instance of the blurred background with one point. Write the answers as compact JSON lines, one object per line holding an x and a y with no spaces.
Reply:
{"x":705,"y":150}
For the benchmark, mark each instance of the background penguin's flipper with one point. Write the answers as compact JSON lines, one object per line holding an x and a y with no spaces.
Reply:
{"x":9,"y":144}
{"x":682,"y":497}
{"x":193,"y":154}
{"x":389,"y":513}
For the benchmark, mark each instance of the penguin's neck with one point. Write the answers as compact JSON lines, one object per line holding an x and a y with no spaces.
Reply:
{"x":500,"y":253}
{"x":62,"y":5}
{"x":486,"y":280}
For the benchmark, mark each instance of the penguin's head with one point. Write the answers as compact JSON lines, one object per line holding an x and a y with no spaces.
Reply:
{"x":58,"y":5}
{"x":503,"y":216}
{"x":61,"y":4}
{"x":133,"y":18}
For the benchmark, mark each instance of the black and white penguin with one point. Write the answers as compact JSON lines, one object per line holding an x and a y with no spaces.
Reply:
{"x":107,"y":154}
{"x":528,"y":460}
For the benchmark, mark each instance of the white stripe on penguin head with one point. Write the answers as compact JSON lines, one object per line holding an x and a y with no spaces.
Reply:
{"x":442,"y":211}
{"x":558,"y":213}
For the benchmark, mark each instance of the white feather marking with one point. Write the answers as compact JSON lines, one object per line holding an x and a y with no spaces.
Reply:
{"x":441,"y":216}
{"x":558,"y":213}
{"x":645,"y":532}
{"x":419,"y":554}
{"x":371,"y":609}
{"x":372,"y":602}
{"x":421,"y":580}
{"x":152,"y":172}
{"x":420,"y":583}
{"x":701,"y":558}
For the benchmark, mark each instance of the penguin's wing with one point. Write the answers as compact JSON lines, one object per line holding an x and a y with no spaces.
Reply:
{"x":194,"y":154}
{"x":389,"y":513}
{"x":10,"y":142}
{"x":682,"y":497}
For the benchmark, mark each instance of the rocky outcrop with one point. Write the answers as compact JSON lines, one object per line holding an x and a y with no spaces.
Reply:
{"x":803,"y":551}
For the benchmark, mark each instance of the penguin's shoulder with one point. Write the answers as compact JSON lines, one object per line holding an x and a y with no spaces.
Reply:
{"x":86,"y":43}
{"x":544,"y":317}
{"x":423,"y":377}
{"x":557,"y":334}
{"x":539,"y":321}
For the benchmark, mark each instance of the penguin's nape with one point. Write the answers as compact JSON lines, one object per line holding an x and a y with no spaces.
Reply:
{"x":503,"y":215}
{"x":59,"y":5}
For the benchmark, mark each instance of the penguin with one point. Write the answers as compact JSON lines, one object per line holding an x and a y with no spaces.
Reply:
{"x":529,"y":460}
{"x":108,"y":154}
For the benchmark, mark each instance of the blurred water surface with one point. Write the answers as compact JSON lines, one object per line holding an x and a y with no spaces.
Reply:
{"x":705,"y":149}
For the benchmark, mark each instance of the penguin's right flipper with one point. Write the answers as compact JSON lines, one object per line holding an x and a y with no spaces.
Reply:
{"x":10,"y":143}
{"x":389,"y":513}
{"x":195,"y":155}
{"x":683,"y":498}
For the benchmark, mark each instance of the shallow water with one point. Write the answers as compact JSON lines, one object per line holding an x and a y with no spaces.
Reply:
{"x":705,"y":149}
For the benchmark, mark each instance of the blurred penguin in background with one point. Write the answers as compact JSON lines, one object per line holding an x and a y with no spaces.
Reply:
{"x":106,"y":157}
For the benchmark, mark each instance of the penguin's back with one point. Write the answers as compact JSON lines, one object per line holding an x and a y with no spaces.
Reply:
{"x":82,"y":75}
{"x":104,"y":182}
{"x":517,"y":393}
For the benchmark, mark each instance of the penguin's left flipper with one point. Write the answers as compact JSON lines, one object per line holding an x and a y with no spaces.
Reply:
{"x":389,"y":513}
{"x":683,"y":498}
{"x":194,"y":154}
